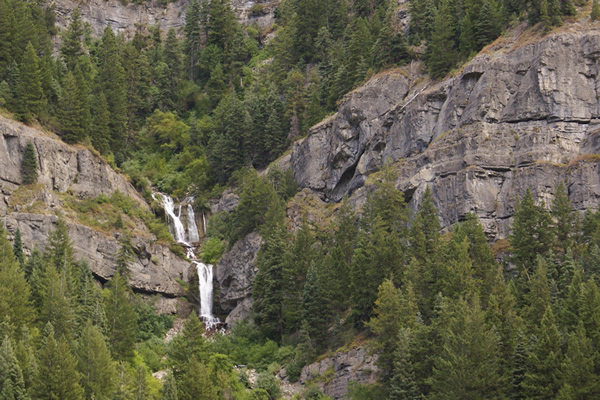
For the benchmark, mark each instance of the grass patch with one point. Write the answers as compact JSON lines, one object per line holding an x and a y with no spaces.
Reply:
{"x":590,"y":158}
{"x":117,"y":212}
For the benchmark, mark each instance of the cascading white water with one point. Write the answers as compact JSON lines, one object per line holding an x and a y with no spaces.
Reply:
{"x":205,"y":286}
{"x":178,"y":228}
{"x":192,"y":227}
{"x":205,"y":271}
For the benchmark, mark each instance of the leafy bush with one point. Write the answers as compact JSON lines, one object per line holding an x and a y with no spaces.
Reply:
{"x":270,"y":384}
{"x":150,"y":323}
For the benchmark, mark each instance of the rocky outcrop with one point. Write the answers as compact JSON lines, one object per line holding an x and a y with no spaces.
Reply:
{"x":60,"y":167}
{"x":235,"y":274}
{"x":77,"y":171}
{"x":333,"y":374}
{"x":523,"y":116}
{"x":127,"y":16}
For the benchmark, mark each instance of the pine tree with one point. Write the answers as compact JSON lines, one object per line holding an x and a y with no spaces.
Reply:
{"x":12,"y":384}
{"x":221,"y":23}
{"x":579,"y":378}
{"x":59,"y":250}
{"x":595,"y":14}
{"x":403,"y":385}
{"x":121,"y":317}
{"x":543,"y":377}
{"x":89,"y":301}
{"x":295,"y":274}
{"x":442,"y":53}
{"x":531,"y":234}
{"x":314,"y":314}
{"x":94,"y":363}
{"x":228,"y":145}
{"x":267,"y":289}
{"x":196,"y":383}
{"x":169,"y":388}
{"x":538,"y":297}
{"x":425,"y":248}
{"x":56,"y":305}
{"x":100,"y":132}
{"x":15,"y":303}
{"x":72,"y":45}
{"x":110,"y":80}
{"x":34,"y":273}
{"x":29,"y":165}
{"x":188,"y":346}
{"x":125,"y":256}
{"x":141,"y":390}
{"x":56,"y":376}
{"x":467,"y":366}
{"x":487,"y":27}
{"x":29,"y":98}
{"x":545,"y":16}
{"x":385,"y":325}
{"x":72,"y":127}
{"x":18,"y":247}
{"x":562,"y":212}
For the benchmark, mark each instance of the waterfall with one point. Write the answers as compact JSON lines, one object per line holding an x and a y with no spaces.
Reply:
{"x":205,"y":271}
{"x":178,"y":228}
{"x":205,"y":286}
{"x":192,"y":227}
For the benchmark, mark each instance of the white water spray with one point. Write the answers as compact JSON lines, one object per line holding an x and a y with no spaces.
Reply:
{"x":205,"y":271}
{"x":205,"y":286}
{"x":192,"y":227}
{"x":178,"y":228}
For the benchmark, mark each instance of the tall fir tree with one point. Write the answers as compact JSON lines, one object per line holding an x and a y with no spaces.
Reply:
{"x":29,"y":165}
{"x":121,"y":318}
{"x":15,"y":304}
{"x":110,"y":80}
{"x":29,"y":91}
{"x":94,"y":363}
{"x":56,"y":376}
{"x":441,"y":49}
{"x":18,"y":248}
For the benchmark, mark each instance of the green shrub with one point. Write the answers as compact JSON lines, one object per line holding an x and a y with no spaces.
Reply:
{"x":269,"y":383}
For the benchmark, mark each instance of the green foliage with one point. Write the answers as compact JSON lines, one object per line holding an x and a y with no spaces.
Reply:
{"x":121,"y":318}
{"x":97,"y":369}
{"x":29,"y":165}
{"x":595,"y":14}
{"x":56,"y":376}
{"x":15,"y":304}
{"x":270,"y":384}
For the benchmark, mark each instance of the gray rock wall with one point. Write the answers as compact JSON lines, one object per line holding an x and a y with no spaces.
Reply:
{"x":235,"y":275}
{"x":334,"y":374}
{"x":62,"y":168}
{"x":128,"y":18}
{"x":516,"y":118}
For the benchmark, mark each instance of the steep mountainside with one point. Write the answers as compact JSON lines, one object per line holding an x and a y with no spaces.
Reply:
{"x":68,"y":175}
{"x":131,"y":16}
{"x":516,"y":116}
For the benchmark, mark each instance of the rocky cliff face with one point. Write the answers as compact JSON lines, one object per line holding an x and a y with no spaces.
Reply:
{"x":333,"y":374}
{"x":127,"y":18}
{"x":75,"y":170}
{"x":523,"y":116}
{"x":235,"y":274}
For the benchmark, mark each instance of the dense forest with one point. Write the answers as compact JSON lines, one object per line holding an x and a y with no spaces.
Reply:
{"x":192,"y":112}
{"x":184,"y":110}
